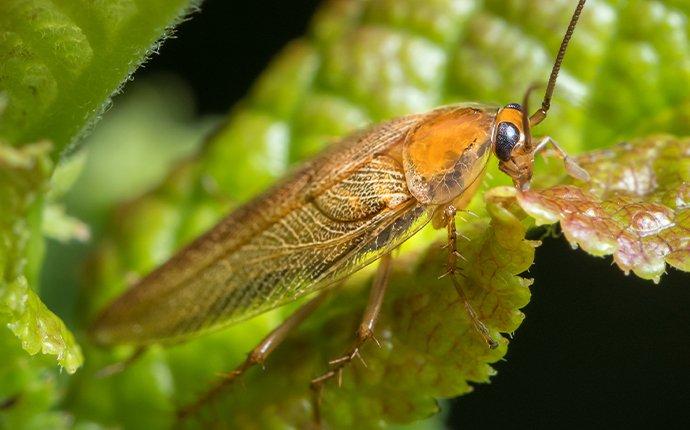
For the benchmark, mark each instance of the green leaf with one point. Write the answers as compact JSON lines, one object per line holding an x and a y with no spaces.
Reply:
{"x":60,"y":61}
{"x":636,"y":206}
{"x":38,"y":329}
{"x":23,"y":177}
{"x":29,"y":389}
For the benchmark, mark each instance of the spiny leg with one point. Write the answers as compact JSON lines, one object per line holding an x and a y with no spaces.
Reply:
{"x":365,"y":331}
{"x":571,"y":165}
{"x":257,"y":356}
{"x":452,"y":271}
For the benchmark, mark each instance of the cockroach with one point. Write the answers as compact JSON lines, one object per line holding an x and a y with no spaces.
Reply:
{"x":346,"y":208}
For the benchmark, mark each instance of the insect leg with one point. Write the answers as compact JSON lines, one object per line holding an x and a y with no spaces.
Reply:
{"x":365,"y":331}
{"x":258,"y":355}
{"x":571,"y":165}
{"x":121,"y":366}
{"x":452,"y":271}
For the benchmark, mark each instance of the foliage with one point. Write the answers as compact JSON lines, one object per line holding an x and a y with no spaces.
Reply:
{"x":23,"y":178}
{"x":59,"y":63}
{"x":361,"y":62}
{"x":635,"y":206}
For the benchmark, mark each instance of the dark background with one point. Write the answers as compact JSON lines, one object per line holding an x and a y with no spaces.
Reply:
{"x":598,"y":348}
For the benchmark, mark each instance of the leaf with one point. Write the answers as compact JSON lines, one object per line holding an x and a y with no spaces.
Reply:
{"x":29,"y":389}
{"x":23,"y":177}
{"x":429,"y":348}
{"x":636,"y":207}
{"x":50,"y":55}
{"x":38,"y":328}
{"x":60,"y":61}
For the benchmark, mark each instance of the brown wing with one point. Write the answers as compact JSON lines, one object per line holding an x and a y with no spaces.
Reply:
{"x":332,"y":217}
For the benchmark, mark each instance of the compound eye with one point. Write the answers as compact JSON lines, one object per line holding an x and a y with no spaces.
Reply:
{"x":507,"y":137}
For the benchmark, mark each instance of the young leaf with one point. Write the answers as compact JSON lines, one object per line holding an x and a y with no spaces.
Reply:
{"x":36,"y":326}
{"x":636,"y":206}
{"x":23,"y":177}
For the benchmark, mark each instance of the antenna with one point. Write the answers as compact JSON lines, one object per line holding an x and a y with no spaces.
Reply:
{"x":539,"y":115}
